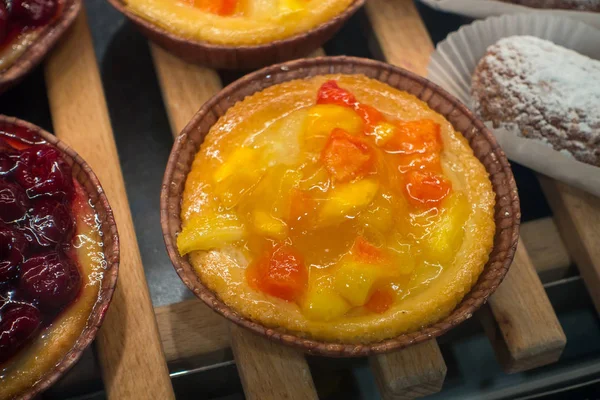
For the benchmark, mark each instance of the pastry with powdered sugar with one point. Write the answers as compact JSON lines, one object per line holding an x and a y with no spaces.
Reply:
{"x":576,"y":5}
{"x":543,"y":91}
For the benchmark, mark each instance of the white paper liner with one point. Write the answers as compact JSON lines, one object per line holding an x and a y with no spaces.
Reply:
{"x":488,"y":8}
{"x":454,"y":60}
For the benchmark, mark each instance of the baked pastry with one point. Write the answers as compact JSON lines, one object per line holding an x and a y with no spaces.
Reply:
{"x":337,"y":208}
{"x":576,"y":5}
{"x":237,"y":23}
{"x":543,"y":91}
{"x":21,"y":22}
{"x":51,"y":259}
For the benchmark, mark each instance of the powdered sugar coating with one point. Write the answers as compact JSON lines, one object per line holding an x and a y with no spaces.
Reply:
{"x":579,"y":5}
{"x":542,"y":91}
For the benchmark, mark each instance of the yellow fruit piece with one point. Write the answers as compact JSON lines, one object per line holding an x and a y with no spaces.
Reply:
{"x":323,"y":304}
{"x":237,"y":162}
{"x":240,"y":172}
{"x":354,"y":280}
{"x":323,"y":118}
{"x":447,"y":234}
{"x":287,"y":7}
{"x":280,"y":142}
{"x":383,"y":132}
{"x":266,"y":224}
{"x":317,"y":179}
{"x":403,"y":255}
{"x":205,"y":232}
{"x":378,"y":215}
{"x":346,"y":200}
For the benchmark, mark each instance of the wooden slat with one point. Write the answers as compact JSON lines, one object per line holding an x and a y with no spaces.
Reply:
{"x":526,"y":333}
{"x":414,"y":372}
{"x":405,"y":42}
{"x":268,"y":370}
{"x":129,"y":346}
{"x":577,"y":215}
{"x":190,"y":329}
{"x":546,"y":249}
{"x":401,"y":34}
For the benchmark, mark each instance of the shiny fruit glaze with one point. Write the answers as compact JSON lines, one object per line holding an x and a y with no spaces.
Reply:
{"x":344,"y":228}
{"x":19,"y":22}
{"x":50,"y":259}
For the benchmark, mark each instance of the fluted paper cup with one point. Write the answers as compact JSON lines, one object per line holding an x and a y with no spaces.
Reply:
{"x":489,"y":8}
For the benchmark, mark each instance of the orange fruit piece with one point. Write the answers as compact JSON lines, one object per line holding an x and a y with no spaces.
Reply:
{"x":347,"y":157}
{"x":420,"y":136}
{"x":364,"y":251}
{"x":219,"y":7}
{"x":280,"y":272}
{"x":425,"y":188}
{"x":381,"y":300}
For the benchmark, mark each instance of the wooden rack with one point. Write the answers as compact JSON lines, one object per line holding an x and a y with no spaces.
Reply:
{"x":518,"y":319}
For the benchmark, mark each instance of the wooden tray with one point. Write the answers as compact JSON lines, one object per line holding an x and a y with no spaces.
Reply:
{"x":519,"y":319}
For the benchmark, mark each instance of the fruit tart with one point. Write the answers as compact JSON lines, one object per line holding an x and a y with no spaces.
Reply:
{"x":28,"y":28}
{"x":238,"y":33}
{"x":334,"y":208}
{"x":58,"y":258}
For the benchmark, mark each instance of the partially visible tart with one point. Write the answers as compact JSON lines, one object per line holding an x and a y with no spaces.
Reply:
{"x":20,"y":24}
{"x":52,"y":260}
{"x":237,"y":22}
{"x":337,"y":208}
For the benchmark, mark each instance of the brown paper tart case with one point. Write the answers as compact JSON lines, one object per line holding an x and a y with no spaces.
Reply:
{"x":110,"y":239}
{"x":36,"y":52}
{"x":507,"y":212}
{"x":240,"y":57}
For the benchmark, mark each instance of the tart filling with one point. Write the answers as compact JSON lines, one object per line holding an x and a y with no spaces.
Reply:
{"x":20,"y":24}
{"x":237,"y":22}
{"x":51,"y":260}
{"x":337,"y":208}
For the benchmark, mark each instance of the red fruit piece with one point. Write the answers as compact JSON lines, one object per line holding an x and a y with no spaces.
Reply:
{"x":280,"y":272}
{"x":34,"y":12}
{"x":347,"y":157}
{"x":42,"y":172}
{"x":51,"y":222}
{"x":18,"y":324}
{"x":51,"y":279}
{"x":12,"y":252}
{"x":331,"y":93}
{"x":13,"y":202}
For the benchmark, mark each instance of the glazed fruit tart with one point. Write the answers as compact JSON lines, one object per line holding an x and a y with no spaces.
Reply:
{"x":238,"y":33}
{"x":28,"y":29}
{"x":58,"y":258}
{"x":335,"y":208}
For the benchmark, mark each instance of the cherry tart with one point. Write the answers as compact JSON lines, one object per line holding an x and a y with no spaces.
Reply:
{"x":28,"y":29}
{"x":55,"y":273}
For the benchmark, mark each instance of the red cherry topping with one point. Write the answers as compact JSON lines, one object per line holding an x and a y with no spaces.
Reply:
{"x":12,"y":252}
{"x":51,"y":279}
{"x":50,"y":222}
{"x":18,"y":323}
{"x":13,"y":202}
{"x":42,"y":172}
{"x":34,"y":12}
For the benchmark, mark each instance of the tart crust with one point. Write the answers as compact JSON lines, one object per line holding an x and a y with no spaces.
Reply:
{"x":192,"y":23}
